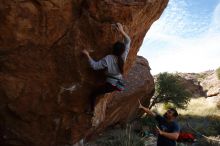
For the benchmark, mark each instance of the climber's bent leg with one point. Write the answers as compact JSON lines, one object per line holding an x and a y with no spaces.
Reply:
{"x":106,"y":88}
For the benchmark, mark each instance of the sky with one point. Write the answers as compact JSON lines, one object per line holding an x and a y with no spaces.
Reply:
{"x":186,"y":38}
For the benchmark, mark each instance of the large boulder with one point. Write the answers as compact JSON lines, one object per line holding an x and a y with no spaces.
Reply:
{"x":191,"y":82}
{"x":204,"y":84}
{"x":45,"y":82}
{"x":211,"y":83}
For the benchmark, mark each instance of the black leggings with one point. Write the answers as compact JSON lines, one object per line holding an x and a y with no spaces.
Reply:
{"x":106,"y":88}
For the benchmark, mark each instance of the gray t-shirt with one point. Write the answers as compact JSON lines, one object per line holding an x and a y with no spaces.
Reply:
{"x":110,"y":62}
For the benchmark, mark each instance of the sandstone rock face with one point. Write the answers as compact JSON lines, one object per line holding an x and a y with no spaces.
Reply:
{"x":192,"y":84}
{"x":45,"y":82}
{"x":211,"y":84}
{"x":204,"y":84}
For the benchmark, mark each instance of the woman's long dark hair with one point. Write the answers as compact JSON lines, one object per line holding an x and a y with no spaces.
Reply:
{"x":118,"y":50}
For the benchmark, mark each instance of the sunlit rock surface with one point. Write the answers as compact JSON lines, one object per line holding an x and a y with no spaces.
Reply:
{"x":45,"y":82}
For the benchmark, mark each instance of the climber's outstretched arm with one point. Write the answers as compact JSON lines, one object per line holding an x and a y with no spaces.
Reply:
{"x":96,"y":65}
{"x":86,"y":53}
{"x":121,"y":30}
{"x":127,"y":40}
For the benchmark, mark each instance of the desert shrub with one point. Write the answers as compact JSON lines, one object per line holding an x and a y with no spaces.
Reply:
{"x":168,"y":89}
{"x":168,"y":105}
{"x":122,"y":137}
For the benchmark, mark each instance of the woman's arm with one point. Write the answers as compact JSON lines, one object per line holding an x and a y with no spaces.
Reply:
{"x":96,"y":65}
{"x":86,"y":53}
{"x":127,"y":40}
{"x":121,"y":30}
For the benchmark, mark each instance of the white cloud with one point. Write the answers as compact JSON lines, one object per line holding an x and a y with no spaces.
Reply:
{"x":189,"y":56}
{"x":215,"y":25}
{"x":175,"y":52}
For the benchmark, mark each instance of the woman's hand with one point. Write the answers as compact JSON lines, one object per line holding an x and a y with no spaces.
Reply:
{"x":85,"y":52}
{"x":119,"y":27}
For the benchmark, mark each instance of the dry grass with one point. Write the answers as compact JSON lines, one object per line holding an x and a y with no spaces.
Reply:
{"x":119,"y":137}
{"x":202,"y":107}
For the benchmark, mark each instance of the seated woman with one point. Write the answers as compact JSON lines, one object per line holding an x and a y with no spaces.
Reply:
{"x":114,"y":65}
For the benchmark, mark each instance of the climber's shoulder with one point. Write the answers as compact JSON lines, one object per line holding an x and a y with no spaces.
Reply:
{"x":110,"y":57}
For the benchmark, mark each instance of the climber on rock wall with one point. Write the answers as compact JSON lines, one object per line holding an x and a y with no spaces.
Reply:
{"x":114,"y":65}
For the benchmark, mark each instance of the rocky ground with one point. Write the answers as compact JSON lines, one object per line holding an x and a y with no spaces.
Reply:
{"x":116,"y":137}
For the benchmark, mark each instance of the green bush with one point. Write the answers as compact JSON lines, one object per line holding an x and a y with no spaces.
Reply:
{"x":168,"y":105}
{"x":218,"y":73}
{"x":169,"y":89}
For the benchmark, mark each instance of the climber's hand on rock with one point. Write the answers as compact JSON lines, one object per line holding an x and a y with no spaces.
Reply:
{"x":119,"y":26}
{"x":85,"y":52}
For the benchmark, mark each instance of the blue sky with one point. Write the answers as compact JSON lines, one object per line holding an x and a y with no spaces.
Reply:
{"x":186,"y":38}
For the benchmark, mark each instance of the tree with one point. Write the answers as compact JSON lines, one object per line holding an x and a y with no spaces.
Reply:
{"x":168,"y":89}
